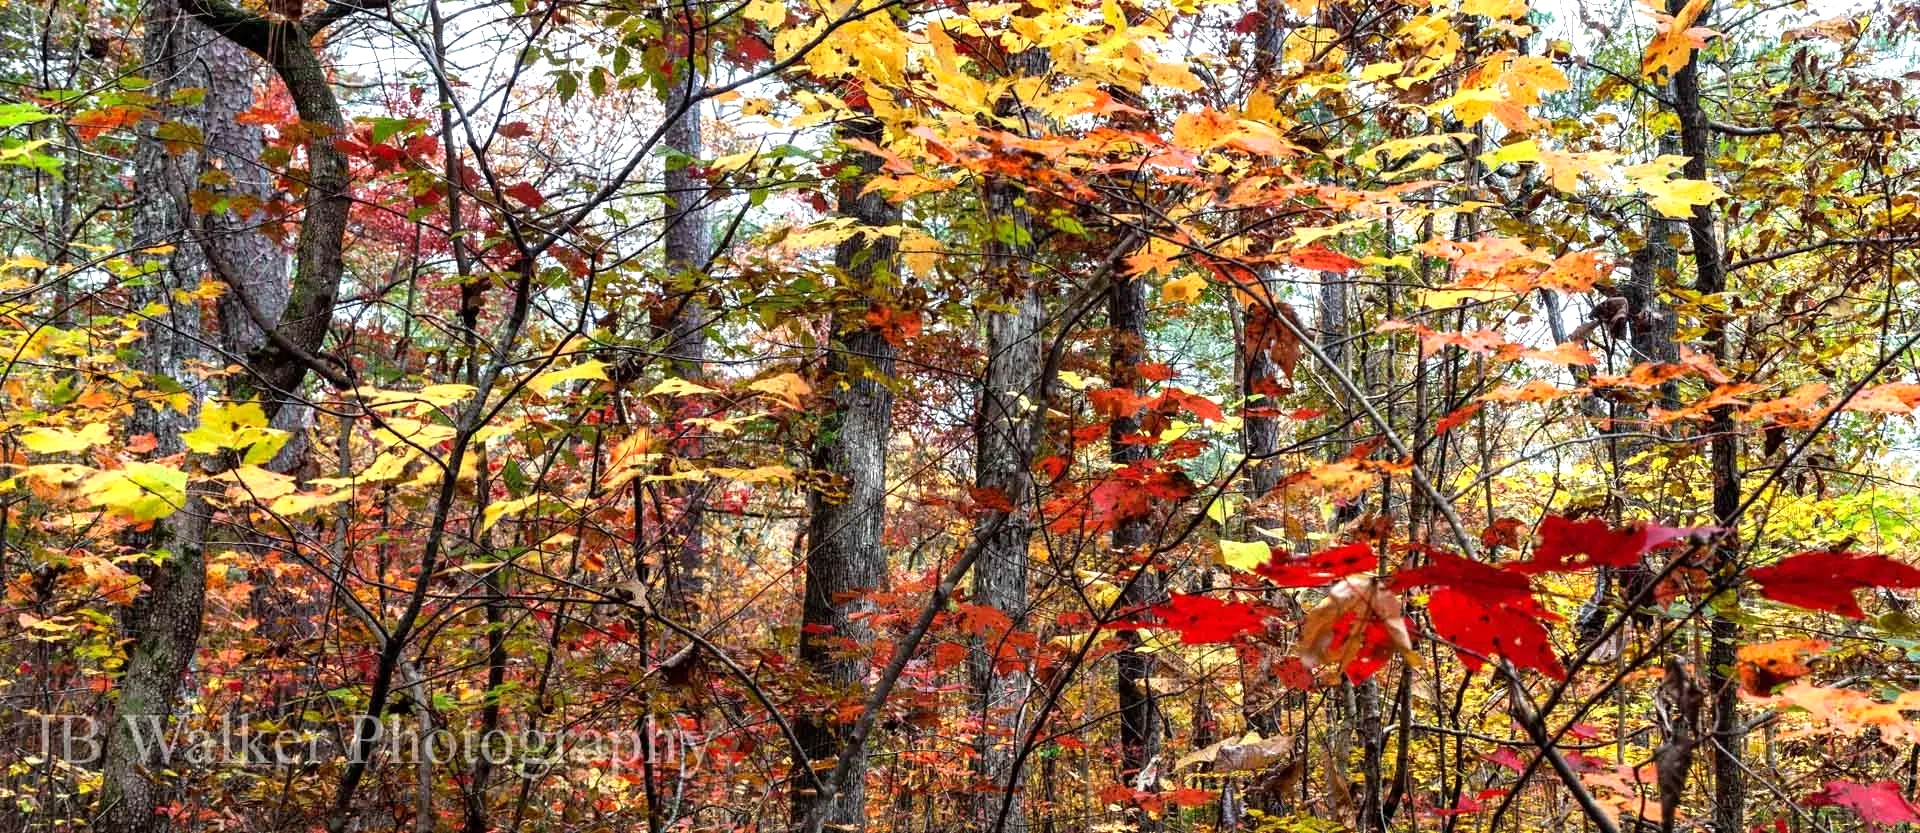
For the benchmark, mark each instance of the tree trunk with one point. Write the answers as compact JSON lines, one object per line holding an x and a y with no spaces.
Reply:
{"x":844,"y":557}
{"x":687,"y":244}
{"x":1710,"y":277}
{"x":1003,"y":454}
{"x":1140,"y":719}
{"x":164,"y":622}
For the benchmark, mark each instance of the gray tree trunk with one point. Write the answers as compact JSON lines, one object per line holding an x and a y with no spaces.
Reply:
{"x":164,"y":624}
{"x":687,"y":244}
{"x":1003,"y":455}
{"x":844,"y":557}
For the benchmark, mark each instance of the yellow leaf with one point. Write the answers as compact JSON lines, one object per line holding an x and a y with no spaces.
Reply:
{"x":1513,"y":9}
{"x":64,"y":440}
{"x":255,"y":483}
{"x":1525,"y":151}
{"x":1244,"y":555}
{"x":22,"y":262}
{"x":589,"y":369}
{"x":303,"y":502}
{"x":141,"y":491}
{"x":1184,"y":289}
{"x":502,"y":508}
{"x":232,"y":426}
{"x":769,"y":13}
{"x":1677,"y":197}
{"x":678,"y":387}
{"x":789,"y":388}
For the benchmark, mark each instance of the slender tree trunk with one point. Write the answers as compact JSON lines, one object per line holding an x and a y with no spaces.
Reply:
{"x":844,"y":557}
{"x":1710,"y":277}
{"x":1140,"y":719}
{"x":687,"y":245}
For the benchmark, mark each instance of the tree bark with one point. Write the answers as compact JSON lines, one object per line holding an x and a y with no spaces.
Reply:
{"x":164,"y":622}
{"x":1710,"y":277}
{"x":845,"y":559}
{"x":1140,"y":719}
{"x":687,"y":244}
{"x":1003,"y":453}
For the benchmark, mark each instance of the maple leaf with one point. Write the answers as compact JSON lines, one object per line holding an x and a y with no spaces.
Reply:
{"x":1319,"y":568}
{"x":1826,"y":579}
{"x":1576,"y":545}
{"x":1768,"y":665}
{"x":1878,"y":803}
{"x":526,"y":194}
{"x":1675,"y":39}
{"x":1890,"y":398}
{"x":1184,"y":289}
{"x":1203,"y":619}
{"x":1456,"y":419}
{"x":89,"y":125}
{"x":1479,"y":629}
{"x":1322,"y":259}
{"x":1354,"y":630}
{"x":1483,"y":610}
{"x":1533,"y":391}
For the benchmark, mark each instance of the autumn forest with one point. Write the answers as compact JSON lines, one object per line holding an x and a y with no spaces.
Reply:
{"x":913,"y":416}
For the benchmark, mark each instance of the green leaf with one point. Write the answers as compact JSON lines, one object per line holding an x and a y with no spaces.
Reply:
{"x":14,"y":115}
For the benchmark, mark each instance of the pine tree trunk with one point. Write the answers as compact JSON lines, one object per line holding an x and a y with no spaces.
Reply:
{"x":687,"y":244}
{"x":164,"y":621}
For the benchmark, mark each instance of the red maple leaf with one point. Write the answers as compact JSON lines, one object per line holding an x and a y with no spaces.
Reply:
{"x":1879,"y":803}
{"x":1483,"y":610}
{"x":1445,"y":569}
{"x":1576,"y":545}
{"x":1319,"y":568}
{"x":1204,"y":619}
{"x":1479,"y":628}
{"x":1825,"y":579}
{"x":526,"y":194}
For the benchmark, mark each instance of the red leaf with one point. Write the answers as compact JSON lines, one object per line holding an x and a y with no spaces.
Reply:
{"x":1506,"y":757}
{"x":1455,"y":419}
{"x":1319,"y":568}
{"x":1114,"y":403}
{"x":1322,"y":259}
{"x":1204,"y":619}
{"x":1444,"y":569}
{"x":1576,"y":545}
{"x":1195,"y":404}
{"x":92,"y":123}
{"x":526,"y":194}
{"x":515,"y":130}
{"x":1825,"y":580}
{"x":1053,"y":466}
{"x":1879,"y":803}
{"x":1479,"y":629}
{"x":1485,"y":610}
